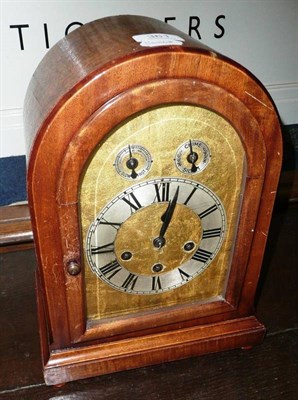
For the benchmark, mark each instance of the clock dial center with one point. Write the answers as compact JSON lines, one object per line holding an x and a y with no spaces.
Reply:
{"x":139,"y":232}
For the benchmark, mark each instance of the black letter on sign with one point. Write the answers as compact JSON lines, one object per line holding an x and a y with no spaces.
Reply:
{"x":46,"y":36}
{"x":194,"y":27}
{"x":19,"y":28}
{"x":169,"y":19}
{"x":70,"y":25}
{"x":218,"y":36}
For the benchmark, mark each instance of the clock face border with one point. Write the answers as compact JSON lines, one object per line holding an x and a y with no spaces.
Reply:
{"x":171,"y":91}
{"x":194,"y":260}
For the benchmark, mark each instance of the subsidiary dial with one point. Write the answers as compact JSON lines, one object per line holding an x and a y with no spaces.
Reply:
{"x":133,"y":162}
{"x":192,"y":156}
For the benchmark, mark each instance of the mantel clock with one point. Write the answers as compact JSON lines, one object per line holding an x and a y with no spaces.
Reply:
{"x":152,"y":174}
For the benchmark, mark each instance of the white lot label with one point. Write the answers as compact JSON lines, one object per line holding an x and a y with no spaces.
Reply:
{"x":158,"y":39}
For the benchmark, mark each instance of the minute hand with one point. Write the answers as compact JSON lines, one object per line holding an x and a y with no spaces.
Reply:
{"x":168,"y":214}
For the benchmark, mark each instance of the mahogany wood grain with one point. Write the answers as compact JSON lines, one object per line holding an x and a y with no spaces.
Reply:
{"x":99,"y":75}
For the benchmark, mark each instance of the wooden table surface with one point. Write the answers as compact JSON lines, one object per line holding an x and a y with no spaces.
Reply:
{"x":268,"y":371}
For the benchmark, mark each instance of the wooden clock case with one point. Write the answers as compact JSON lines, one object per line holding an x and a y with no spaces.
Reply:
{"x":99,"y":71}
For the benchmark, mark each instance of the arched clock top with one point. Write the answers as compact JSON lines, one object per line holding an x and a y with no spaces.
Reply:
{"x":85,"y":71}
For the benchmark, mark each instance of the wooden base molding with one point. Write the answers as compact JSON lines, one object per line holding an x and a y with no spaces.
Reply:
{"x":153,"y":349}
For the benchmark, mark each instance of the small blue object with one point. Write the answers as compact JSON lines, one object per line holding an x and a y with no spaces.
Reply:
{"x":12,"y":180}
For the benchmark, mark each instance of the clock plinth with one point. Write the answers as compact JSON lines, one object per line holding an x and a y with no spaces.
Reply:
{"x":151,"y":180}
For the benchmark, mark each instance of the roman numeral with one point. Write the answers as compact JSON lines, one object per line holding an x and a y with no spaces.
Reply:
{"x":132,"y":201}
{"x":210,"y":233}
{"x":190,"y":196}
{"x":208,"y":211}
{"x":202,"y":255}
{"x":156,"y":285}
{"x":110,"y":269}
{"x":130,"y":281}
{"x":162,"y":191}
{"x":183,"y":274}
{"x":106,"y":248}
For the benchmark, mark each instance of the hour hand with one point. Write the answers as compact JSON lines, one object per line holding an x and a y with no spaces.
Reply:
{"x":163,"y":217}
{"x":169,"y":213}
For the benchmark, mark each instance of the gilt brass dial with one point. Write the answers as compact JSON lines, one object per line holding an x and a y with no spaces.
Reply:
{"x":133,"y":260}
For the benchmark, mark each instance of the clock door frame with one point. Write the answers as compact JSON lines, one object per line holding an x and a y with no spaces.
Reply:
{"x":104,"y":120}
